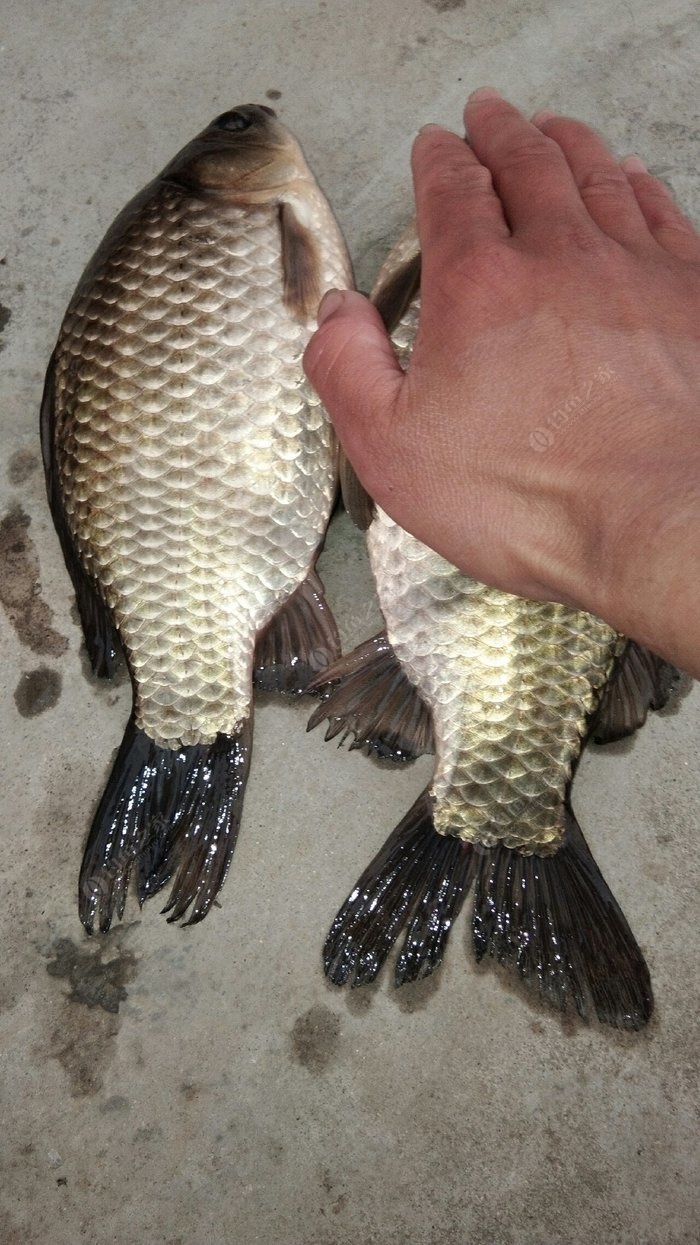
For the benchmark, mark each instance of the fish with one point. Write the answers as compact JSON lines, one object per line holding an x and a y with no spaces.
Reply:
{"x":506,"y":692}
{"x":191,"y":471}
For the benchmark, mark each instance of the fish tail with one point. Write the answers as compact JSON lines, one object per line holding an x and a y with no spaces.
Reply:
{"x":552,"y":919}
{"x":417,"y":882}
{"x":555,"y":921}
{"x":165,"y":812}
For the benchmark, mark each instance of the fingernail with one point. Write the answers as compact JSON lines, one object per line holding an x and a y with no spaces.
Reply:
{"x":633,"y":164}
{"x":484,"y":93}
{"x":543,"y":116}
{"x":331,"y":302}
{"x":430,"y":127}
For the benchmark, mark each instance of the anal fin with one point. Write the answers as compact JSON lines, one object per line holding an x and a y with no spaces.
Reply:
{"x":301,"y":640}
{"x":368,"y":695}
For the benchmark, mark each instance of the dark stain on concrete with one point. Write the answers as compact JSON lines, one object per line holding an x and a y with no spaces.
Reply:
{"x":88,"y":1022}
{"x":21,"y":465}
{"x":5,"y":317}
{"x":20,"y":588}
{"x":273,"y":93}
{"x":445,"y":6}
{"x":148,"y":1132}
{"x":315,"y":1037}
{"x":190,"y":1091}
{"x":37,"y":691}
{"x":94,"y":982}
{"x":117,"y":1102}
{"x":329,"y":1186}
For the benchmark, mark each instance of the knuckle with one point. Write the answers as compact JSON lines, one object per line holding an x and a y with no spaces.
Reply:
{"x":486,"y":267}
{"x":529,"y":151}
{"x":599,"y":182}
{"x":450,"y":177}
{"x":578,"y":235}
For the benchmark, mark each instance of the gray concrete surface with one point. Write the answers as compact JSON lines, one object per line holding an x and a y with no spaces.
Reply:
{"x":200,"y":1086}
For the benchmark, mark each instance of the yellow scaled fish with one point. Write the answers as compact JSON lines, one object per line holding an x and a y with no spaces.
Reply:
{"x":191,"y":473}
{"x":505,"y":691}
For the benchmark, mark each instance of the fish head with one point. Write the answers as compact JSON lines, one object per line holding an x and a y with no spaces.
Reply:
{"x":244,"y":156}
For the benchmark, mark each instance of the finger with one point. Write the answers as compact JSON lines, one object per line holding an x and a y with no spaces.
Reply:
{"x":605,"y":191}
{"x":530,"y":174}
{"x":351,"y":364}
{"x":456,"y":205}
{"x":665,"y":221}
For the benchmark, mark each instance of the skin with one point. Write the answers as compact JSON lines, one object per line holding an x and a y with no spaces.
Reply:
{"x":546,"y":435}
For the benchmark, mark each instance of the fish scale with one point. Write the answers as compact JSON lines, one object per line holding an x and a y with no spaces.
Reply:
{"x":511,"y":683}
{"x":224,"y":446}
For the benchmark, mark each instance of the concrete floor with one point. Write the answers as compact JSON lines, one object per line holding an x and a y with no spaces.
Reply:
{"x":207,"y":1085}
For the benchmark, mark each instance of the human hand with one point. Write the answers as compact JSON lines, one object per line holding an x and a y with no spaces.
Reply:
{"x":546,"y":436}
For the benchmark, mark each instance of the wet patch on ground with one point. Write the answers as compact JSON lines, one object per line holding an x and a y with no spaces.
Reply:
{"x":5,"y":317}
{"x":21,"y":465}
{"x":20,"y":587}
{"x":88,"y":1022}
{"x":315,"y":1037}
{"x":37,"y":691}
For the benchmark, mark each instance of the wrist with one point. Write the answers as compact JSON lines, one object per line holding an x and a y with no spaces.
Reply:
{"x":652,"y":590}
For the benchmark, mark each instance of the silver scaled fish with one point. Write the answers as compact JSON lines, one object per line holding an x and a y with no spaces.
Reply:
{"x":506,"y":692}
{"x":191,"y":473}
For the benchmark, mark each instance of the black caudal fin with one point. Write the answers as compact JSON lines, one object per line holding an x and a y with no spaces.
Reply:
{"x":556,"y":922}
{"x":165,"y":812}
{"x":300,"y":640}
{"x":641,"y":681}
{"x":101,"y":638}
{"x":552,"y":919}
{"x":368,"y":695}
{"x":418,"y":880}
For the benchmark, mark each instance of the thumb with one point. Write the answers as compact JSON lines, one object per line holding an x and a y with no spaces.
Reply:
{"x":351,"y":364}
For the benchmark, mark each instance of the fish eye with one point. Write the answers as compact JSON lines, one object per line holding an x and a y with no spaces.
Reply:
{"x":233,"y":121}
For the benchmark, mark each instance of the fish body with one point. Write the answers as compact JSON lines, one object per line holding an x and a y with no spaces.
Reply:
{"x":510,"y":685}
{"x":505,"y":691}
{"x":191,"y":471}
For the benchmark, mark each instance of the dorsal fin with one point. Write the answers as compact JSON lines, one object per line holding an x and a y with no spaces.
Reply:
{"x":392,"y":299}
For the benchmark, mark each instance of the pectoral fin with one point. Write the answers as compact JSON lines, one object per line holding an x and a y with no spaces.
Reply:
{"x":395,"y":295}
{"x":301,"y":265}
{"x":356,"y":499}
